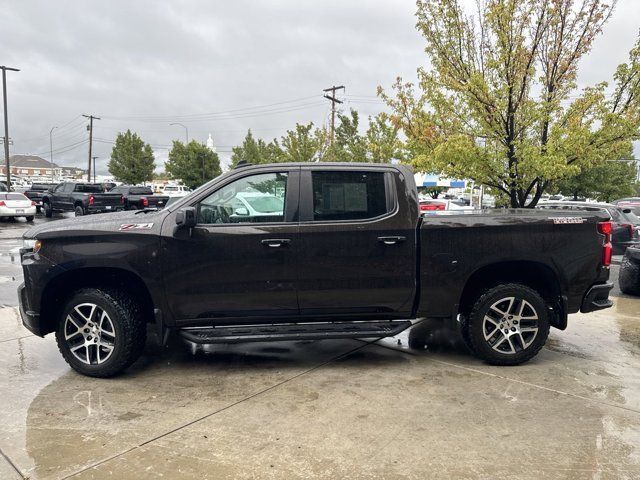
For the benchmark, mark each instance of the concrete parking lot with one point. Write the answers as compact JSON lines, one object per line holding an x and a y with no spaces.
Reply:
{"x":328,"y":409}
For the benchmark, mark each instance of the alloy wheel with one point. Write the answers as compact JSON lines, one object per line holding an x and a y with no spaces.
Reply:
{"x":89,"y":333}
{"x":510,"y":325}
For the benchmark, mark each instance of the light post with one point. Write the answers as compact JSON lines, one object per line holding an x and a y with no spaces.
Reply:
{"x":6,"y":121}
{"x":186,"y":130}
{"x":51,"y":149}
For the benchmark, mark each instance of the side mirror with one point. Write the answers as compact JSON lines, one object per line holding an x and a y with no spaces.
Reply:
{"x":186,"y":217}
{"x":241,"y":211}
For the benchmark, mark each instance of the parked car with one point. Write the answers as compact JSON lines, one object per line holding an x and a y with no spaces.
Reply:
{"x":13,"y":205}
{"x":632,"y":203}
{"x":36,"y":191}
{"x":81,"y":198}
{"x":629,"y":276}
{"x":625,"y":232}
{"x":346,"y":256}
{"x":441,"y":205}
{"x":3,"y":187}
{"x":176,"y":190}
{"x":136,"y":198}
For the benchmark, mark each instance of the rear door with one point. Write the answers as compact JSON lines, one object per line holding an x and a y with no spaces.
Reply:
{"x":357,"y":243}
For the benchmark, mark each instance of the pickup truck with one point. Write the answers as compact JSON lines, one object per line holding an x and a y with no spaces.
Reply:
{"x":81,"y":198}
{"x":36,"y":191}
{"x":346,"y":255}
{"x":137,"y":198}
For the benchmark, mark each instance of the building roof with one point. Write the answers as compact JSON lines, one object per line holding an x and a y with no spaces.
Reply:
{"x":30,"y":161}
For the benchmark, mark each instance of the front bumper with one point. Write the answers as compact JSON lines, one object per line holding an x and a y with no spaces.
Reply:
{"x":30,"y":319}
{"x":597,"y":298}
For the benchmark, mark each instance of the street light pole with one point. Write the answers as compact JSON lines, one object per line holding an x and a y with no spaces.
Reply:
{"x":51,"y":147}
{"x":6,"y":121}
{"x":186,"y":130}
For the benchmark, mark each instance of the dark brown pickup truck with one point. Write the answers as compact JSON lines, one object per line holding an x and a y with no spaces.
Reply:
{"x":309,"y":251}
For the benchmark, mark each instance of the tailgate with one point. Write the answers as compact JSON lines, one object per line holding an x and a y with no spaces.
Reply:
{"x":157,"y":201}
{"x":106,"y":199}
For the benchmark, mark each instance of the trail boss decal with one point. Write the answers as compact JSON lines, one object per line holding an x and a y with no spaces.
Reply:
{"x":135,"y":226}
{"x":564,"y":220}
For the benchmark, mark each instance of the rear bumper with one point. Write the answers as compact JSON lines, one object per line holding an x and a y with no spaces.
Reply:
{"x":597,"y":298}
{"x":104,"y":209}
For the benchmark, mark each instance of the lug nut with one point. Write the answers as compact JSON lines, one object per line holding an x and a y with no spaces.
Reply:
{"x":86,"y":330}
{"x":89,"y":337}
{"x":513,"y":329}
{"x":506,"y":330}
{"x":515,"y":322}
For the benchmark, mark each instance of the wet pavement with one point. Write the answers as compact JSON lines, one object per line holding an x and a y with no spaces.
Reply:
{"x":327,"y":409}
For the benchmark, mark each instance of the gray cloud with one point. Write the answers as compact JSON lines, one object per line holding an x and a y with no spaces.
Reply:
{"x":123,"y":60}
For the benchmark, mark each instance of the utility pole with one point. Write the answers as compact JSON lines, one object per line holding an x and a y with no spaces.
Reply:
{"x":333,"y":100}
{"x":51,"y":151}
{"x":6,"y":121}
{"x":90,"y":128}
{"x":94,"y":169}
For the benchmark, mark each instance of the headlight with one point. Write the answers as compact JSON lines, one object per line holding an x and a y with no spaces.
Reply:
{"x":31,"y":244}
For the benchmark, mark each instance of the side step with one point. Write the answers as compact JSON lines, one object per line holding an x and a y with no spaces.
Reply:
{"x":293,"y":331}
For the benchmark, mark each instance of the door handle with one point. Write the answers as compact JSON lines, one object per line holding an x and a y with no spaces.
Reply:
{"x":276,"y":242}
{"x":391,"y":240}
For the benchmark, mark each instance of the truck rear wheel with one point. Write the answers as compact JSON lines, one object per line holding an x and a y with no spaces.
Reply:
{"x":48,"y":212}
{"x":79,"y":211}
{"x":508,"y":324}
{"x":101,"y":332}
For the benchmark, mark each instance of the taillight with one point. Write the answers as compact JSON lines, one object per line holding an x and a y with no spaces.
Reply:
{"x":121,"y":199}
{"x":145,"y":202}
{"x":91,"y":199}
{"x":2,"y":204}
{"x":606,"y":228}
{"x":33,"y":204}
{"x":430,"y":207}
{"x":631,"y":228}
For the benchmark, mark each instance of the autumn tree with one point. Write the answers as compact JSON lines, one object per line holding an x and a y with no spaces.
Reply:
{"x":132,"y":161}
{"x":192,"y":163}
{"x":382,"y":142}
{"x":499,"y":104}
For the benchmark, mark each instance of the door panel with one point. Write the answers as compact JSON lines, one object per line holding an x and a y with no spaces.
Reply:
{"x":236,"y":264}
{"x":358,"y":266}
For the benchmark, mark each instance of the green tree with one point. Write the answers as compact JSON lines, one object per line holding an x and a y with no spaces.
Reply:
{"x":348,"y":145}
{"x":132,"y":160}
{"x":382,"y":141}
{"x":256,"y":151}
{"x":606,"y":182}
{"x":193,"y":163}
{"x":303,"y":144}
{"x":499,"y":103}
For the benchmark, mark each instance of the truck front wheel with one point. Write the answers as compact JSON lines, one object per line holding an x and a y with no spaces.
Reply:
{"x":508,"y":324}
{"x":100,"y":332}
{"x":48,"y":212}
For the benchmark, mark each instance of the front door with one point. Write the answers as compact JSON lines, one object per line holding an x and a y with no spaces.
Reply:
{"x":240,"y":260}
{"x":357,"y":244}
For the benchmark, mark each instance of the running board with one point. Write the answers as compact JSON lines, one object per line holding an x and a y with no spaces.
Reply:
{"x":293,"y":331}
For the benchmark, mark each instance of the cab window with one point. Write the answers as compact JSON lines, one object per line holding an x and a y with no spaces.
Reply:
{"x":253,"y":199}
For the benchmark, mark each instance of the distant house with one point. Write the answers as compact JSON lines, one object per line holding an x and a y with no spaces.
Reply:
{"x":34,"y":166}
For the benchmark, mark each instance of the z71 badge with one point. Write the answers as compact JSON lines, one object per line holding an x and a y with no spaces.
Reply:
{"x":563,"y":220}
{"x":135,"y":226}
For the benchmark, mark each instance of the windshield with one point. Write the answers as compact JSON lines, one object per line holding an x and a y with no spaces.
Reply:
{"x":266,"y":204}
{"x":88,"y":188}
{"x":141,"y":191}
{"x":170,"y":189}
{"x":12,"y":196}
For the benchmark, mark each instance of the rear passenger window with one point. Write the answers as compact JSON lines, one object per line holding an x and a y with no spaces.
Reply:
{"x":348,"y":195}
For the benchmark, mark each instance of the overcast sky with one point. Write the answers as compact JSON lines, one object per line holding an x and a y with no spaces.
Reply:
{"x":217,"y":67}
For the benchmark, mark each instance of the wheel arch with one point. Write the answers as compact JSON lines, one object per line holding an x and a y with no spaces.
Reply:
{"x":536,"y":275}
{"x":61,"y":287}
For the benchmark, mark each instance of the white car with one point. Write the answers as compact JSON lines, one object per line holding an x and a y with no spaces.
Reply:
{"x":176,"y":190}
{"x":256,"y":204}
{"x":13,"y":204}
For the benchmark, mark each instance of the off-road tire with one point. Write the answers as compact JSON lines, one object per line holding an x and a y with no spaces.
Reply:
{"x":79,"y":210}
{"x":129,"y":326}
{"x":629,"y":275}
{"x":481,"y":347}
{"x":48,"y":212}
